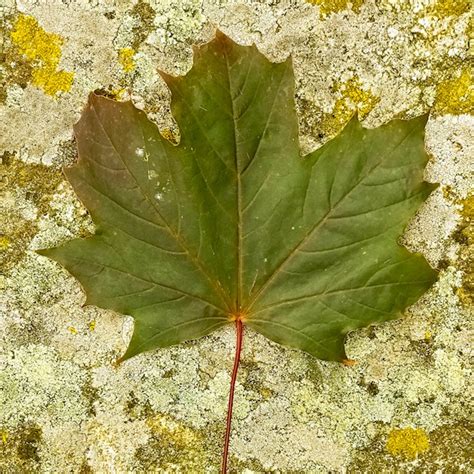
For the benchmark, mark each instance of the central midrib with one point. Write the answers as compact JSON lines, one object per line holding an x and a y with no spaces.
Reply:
{"x":240,"y":311}
{"x":238,"y":302}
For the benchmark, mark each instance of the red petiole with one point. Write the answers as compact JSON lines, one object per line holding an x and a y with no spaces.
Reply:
{"x":238,"y":347}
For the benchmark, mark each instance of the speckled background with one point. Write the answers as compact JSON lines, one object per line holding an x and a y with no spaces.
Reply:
{"x":64,"y":406}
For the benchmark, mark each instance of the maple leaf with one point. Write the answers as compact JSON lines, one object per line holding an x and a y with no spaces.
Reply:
{"x":233,"y":224}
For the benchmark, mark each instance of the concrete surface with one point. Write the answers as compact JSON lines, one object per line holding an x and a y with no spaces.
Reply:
{"x":64,"y":406}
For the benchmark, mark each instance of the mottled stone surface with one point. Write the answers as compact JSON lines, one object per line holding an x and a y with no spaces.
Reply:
{"x":65,"y":406}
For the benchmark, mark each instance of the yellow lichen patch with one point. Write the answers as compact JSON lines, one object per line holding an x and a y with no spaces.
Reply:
{"x":4,"y":437}
{"x":456,"y":96}
{"x":170,"y":135}
{"x":92,"y":325}
{"x":361,"y":98}
{"x":450,"y":448}
{"x":125,"y":58}
{"x":118,"y":93}
{"x":352,"y":97}
{"x":446,"y":8}
{"x":34,"y":42}
{"x":72,"y":329}
{"x":265,"y":392}
{"x":4,"y":242}
{"x":407,"y":442}
{"x":43,"y":51}
{"x":52,"y":81}
{"x":326,"y":7}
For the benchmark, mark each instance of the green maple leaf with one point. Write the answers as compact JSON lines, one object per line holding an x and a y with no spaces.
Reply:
{"x":233,"y":223}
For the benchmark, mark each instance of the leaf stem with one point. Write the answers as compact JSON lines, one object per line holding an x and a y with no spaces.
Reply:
{"x":238,"y":347}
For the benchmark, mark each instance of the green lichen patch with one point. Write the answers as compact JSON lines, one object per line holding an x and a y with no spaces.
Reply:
{"x":173,"y":446}
{"x":136,"y":409}
{"x":451,"y":449}
{"x":250,"y":466}
{"x":25,"y":191}
{"x":90,"y":394}
{"x":15,"y":68}
{"x":465,"y":235}
{"x":446,"y":449}
{"x":144,"y":15}
{"x":35,"y":383}
{"x":19,"y":449}
{"x":251,"y":375}
{"x":85,"y":468}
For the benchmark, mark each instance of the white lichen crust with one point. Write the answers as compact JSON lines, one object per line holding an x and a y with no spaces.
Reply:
{"x":65,"y":406}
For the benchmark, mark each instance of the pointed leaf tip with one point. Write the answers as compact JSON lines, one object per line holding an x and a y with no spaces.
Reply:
{"x":168,"y":78}
{"x":221,"y":37}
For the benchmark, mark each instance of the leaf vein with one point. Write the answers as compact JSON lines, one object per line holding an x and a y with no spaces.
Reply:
{"x":170,"y":230}
{"x":162,"y":285}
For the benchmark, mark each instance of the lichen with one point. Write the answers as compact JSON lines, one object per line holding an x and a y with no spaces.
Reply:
{"x":170,"y":135}
{"x":19,"y":449}
{"x":125,"y":57}
{"x":34,"y":42}
{"x":352,"y":98}
{"x":450,"y":450}
{"x":26,"y":191}
{"x":43,"y":52}
{"x":36,"y":375}
{"x":144,"y":15}
{"x":72,"y":330}
{"x":52,"y":81}
{"x":465,"y":235}
{"x":326,"y":7}
{"x":407,"y":442}
{"x":447,"y":8}
{"x":15,"y":67}
{"x":173,"y":446}
{"x":292,"y":413}
{"x":456,"y":95}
